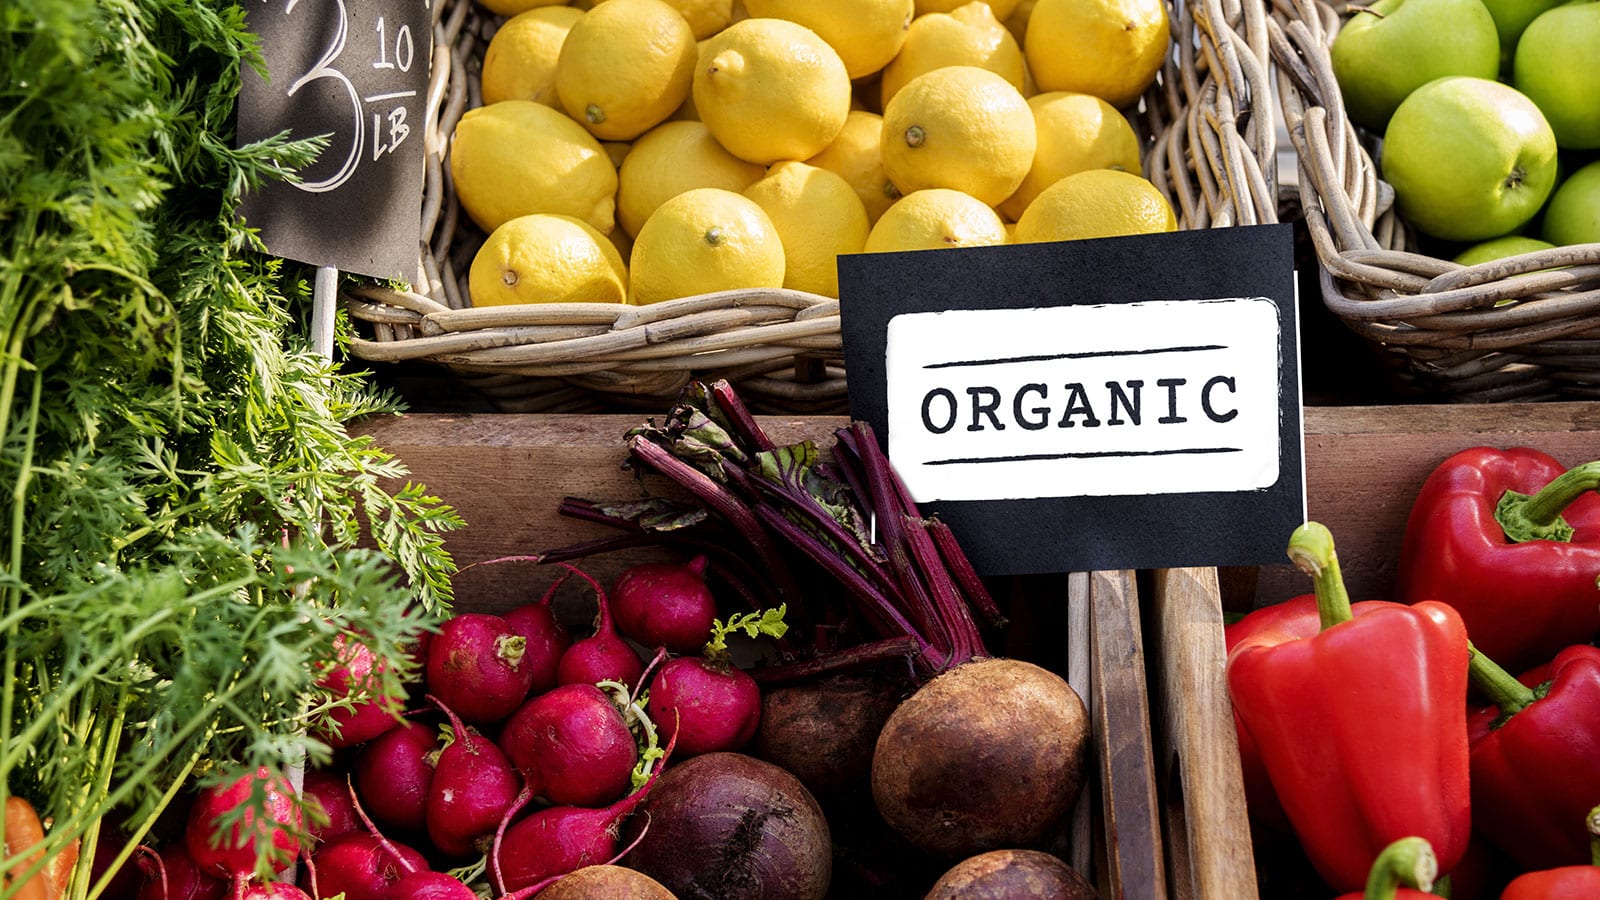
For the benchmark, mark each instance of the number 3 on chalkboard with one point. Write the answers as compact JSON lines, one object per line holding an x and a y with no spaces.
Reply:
{"x":325,"y":67}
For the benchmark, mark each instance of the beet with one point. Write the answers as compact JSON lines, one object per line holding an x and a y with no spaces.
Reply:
{"x":422,"y":885}
{"x":393,"y":774}
{"x":731,"y":826}
{"x":475,"y":667}
{"x":356,"y":671}
{"x":986,"y":756}
{"x":234,"y":855}
{"x":1000,"y":874}
{"x":473,"y":786}
{"x":172,"y":875}
{"x":361,"y":867}
{"x":605,"y":882}
{"x":603,"y":655}
{"x":709,"y":706}
{"x":665,"y":604}
{"x":329,"y":794}
{"x":824,"y":730}
{"x":572,"y":745}
{"x":547,"y":638}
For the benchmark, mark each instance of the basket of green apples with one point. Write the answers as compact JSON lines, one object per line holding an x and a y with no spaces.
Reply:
{"x":1448,"y":159}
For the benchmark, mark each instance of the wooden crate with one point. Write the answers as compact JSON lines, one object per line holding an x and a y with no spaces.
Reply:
{"x":1166,"y":817}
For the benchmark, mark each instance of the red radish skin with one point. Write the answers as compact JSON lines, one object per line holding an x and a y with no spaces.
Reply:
{"x":331,"y":795}
{"x":361,"y":867}
{"x":272,"y":890}
{"x":234,"y":856}
{"x":356,"y":671}
{"x":172,"y":875}
{"x":572,"y":745}
{"x":707,"y":707}
{"x":547,"y":638}
{"x":665,"y":604}
{"x":561,"y":839}
{"x":475,"y":665}
{"x":604,"y":655}
{"x":393,"y":774}
{"x":430,"y":886}
{"x":473,"y":786}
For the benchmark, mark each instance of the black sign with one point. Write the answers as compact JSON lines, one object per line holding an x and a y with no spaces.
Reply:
{"x":355,"y":71}
{"x":1106,"y":404}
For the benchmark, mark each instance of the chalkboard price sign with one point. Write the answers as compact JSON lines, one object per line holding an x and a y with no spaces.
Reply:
{"x":356,"y":72}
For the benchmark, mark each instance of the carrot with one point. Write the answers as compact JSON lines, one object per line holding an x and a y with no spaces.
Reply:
{"x":24,"y":830}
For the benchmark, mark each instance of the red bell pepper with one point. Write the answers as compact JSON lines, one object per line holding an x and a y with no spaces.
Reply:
{"x":1299,"y":618}
{"x":1536,"y":758}
{"x":1409,"y":862}
{"x":1562,"y":882}
{"x":1511,"y":539}
{"x":1362,"y":726}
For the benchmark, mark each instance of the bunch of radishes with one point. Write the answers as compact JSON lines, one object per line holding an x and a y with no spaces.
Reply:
{"x":521,"y":756}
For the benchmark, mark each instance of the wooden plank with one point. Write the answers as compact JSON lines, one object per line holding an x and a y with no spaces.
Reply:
{"x":1197,"y":723}
{"x":1364,"y":466}
{"x":1129,"y":804}
{"x":1080,"y":667}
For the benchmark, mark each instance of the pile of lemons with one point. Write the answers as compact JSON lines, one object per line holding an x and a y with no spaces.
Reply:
{"x":634,"y":151}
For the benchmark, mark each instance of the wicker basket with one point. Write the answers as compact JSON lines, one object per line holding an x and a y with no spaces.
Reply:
{"x":1212,"y":144}
{"x":1447,"y":333}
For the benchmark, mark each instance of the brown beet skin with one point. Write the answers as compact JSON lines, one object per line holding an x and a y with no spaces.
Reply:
{"x":1006,"y":874}
{"x":987,"y":755}
{"x":732,"y":827}
{"x":606,"y":883}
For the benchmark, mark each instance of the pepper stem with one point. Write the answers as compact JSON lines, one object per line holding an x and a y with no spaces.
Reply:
{"x":1538,"y":517}
{"x":1594,"y":835}
{"x":1311,"y":551}
{"x":1408,"y":861}
{"x":1501,"y":687}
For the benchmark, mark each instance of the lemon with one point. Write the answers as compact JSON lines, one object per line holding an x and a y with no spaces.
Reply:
{"x":705,"y":17}
{"x":669,"y":159}
{"x":704,"y":240}
{"x":1002,"y":8}
{"x":771,"y":89}
{"x":959,"y":127}
{"x":1110,"y":48}
{"x":1017,"y":22}
{"x":546,"y":258}
{"x":968,"y":35}
{"x":818,"y":217}
{"x":520,"y":62}
{"x":1093,"y":204}
{"x":513,"y":7}
{"x":865,"y":33}
{"x":935,"y":219}
{"x":516,"y":157}
{"x":625,"y":66}
{"x":1076,"y":132}
{"x":855,"y":156}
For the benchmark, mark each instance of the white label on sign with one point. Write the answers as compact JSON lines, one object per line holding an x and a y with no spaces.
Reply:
{"x":1158,"y":397}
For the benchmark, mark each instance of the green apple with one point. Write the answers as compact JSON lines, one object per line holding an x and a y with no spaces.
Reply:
{"x":1388,"y":49}
{"x":1558,"y":66}
{"x":1511,"y":17}
{"x":1469,"y":158}
{"x":1500,"y":248}
{"x":1573,"y":216}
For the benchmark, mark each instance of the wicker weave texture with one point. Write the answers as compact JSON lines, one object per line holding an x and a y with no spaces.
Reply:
{"x":1210,"y":138}
{"x":1522,"y":328}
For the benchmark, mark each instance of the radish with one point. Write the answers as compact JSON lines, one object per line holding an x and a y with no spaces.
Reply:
{"x":573,"y":745}
{"x":473,"y":786}
{"x":172,"y":875}
{"x":604,"y":655}
{"x":356,"y":671}
{"x":233,"y":855}
{"x":361,"y":866}
{"x":430,"y":886}
{"x":272,"y":890}
{"x":329,"y":796}
{"x":475,"y":665}
{"x":560,"y":839}
{"x":547,"y":638}
{"x":706,"y":702}
{"x":665,"y":605}
{"x":393,"y":774}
